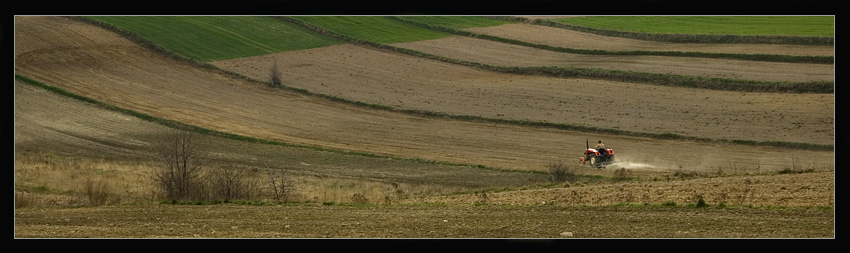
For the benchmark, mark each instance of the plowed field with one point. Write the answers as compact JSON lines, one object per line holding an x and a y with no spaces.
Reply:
{"x":99,"y":64}
{"x":578,"y":40}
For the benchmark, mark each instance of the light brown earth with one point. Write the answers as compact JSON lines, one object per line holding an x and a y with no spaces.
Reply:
{"x":566,"y":38}
{"x":503,"y":54}
{"x":115,"y":71}
{"x":95,"y":63}
{"x":377,"y":77}
{"x":97,"y":134}
{"x":400,"y":221}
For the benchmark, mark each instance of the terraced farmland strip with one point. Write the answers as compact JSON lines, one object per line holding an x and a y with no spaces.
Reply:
{"x":47,"y":123}
{"x":560,"y":37}
{"x":773,"y":57}
{"x":119,"y":72}
{"x":438,"y":87}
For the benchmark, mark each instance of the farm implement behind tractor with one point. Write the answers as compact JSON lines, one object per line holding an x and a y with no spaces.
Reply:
{"x":597,"y":158}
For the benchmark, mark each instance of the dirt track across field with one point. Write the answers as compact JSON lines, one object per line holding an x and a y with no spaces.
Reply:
{"x":99,"y":64}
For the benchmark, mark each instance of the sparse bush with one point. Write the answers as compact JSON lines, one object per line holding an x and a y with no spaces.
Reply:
{"x":701,"y":203}
{"x":358,"y":198}
{"x":97,"y":192}
{"x":685,"y":174}
{"x":561,"y":172}
{"x":231,"y":183}
{"x":622,"y":174}
{"x":669,"y":203}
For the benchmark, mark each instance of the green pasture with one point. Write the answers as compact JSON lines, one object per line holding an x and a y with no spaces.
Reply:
{"x":212,"y":38}
{"x":377,"y":29}
{"x":725,"y":25}
{"x":457,"y":22}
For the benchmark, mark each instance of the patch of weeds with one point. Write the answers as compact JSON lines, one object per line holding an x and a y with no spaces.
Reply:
{"x":701,"y":203}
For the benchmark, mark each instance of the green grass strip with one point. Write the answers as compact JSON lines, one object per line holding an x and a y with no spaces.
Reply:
{"x":377,"y":29}
{"x":808,"y":26}
{"x":695,"y":38}
{"x":212,"y":38}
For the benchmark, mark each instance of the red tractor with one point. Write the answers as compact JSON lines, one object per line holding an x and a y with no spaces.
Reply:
{"x":597,"y":158}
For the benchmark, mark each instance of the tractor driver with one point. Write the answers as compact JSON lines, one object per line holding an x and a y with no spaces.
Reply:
{"x":601,"y":148}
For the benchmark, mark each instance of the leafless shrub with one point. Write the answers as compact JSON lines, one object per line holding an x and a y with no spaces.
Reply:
{"x":622,"y":174}
{"x":685,"y":174}
{"x":280,"y":186}
{"x":561,"y":172}
{"x":230,"y":183}
{"x":358,"y":198}
{"x":180,"y":157}
{"x":274,"y":75}
{"x":97,"y":192}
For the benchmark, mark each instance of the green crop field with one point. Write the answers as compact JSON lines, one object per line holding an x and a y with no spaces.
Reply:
{"x":457,"y":22}
{"x":373,"y":28}
{"x":737,"y":25}
{"x":219,"y":38}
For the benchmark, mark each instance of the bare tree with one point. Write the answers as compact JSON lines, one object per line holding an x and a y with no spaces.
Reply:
{"x":180,"y":157}
{"x":274,"y":75}
{"x":279,"y":184}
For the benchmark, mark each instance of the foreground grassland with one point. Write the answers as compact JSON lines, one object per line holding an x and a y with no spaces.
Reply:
{"x":737,"y":25}
{"x":217,"y":38}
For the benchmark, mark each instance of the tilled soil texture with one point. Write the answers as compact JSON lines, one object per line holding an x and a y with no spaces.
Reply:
{"x":96,"y":63}
{"x":566,"y":38}
{"x":407,"y":82}
{"x":789,"y":190}
{"x":467,"y":221}
{"x":509,"y":55}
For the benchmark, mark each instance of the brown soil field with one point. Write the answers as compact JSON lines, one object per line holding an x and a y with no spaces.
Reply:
{"x":401,"y":221}
{"x":566,"y":38}
{"x":754,"y":190}
{"x":503,"y":54}
{"x":66,"y":127}
{"x":377,"y":77}
{"x":118,"y":72}
{"x":96,"y":63}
